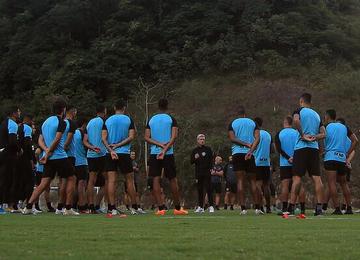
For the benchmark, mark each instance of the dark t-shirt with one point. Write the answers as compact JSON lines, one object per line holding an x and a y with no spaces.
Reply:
{"x":215,"y":178}
{"x":204,"y":163}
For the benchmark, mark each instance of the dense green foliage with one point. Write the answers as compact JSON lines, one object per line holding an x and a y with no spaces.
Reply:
{"x":91,"y":50}
{"x":224,"y":235}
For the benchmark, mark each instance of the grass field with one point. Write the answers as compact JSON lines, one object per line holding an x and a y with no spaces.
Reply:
{"x":223,"y":235}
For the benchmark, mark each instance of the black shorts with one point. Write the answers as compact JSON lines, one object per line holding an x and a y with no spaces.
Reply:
{"x":156,"y":166}
{"x":125,"y":187}
{"x":38,"y":177}
{"x":216,"y":187}
{"x":240,"y":164}
{"x":96,"y":164}
{"x":231,"y":187}
{"x":336,"y":166}
{"x":61,"y":167}
{"x":72,"y":161}
{"x":263,"y":173}
{"x":124,"y":164}
{"x":100,"y":180}
{"x":82,"y":172}
{"x":286,"y":172}
{"x":306,"y":160}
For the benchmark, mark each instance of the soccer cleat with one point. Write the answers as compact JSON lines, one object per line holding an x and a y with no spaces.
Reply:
{"x":15,"y":211}
{"x":52,"y":210}
{"x":36,"y":211}
{"x":231,"y":207}
{"x":84,"y":211}
{"x":243,"y":212}
{"x":301,"y":216}
{"x":93,"y":211}
{"x":319,"y":213}
{"x":59,"y":212}
{"x":133,"y":211}
{"x":349,"y":212}
{"x":114,"y":212}
{"x":337,"y":212}
{"x":259,"y":212}
{"x":268,"y":211}
{"x":285,"y":216}
{"x":160,"y":212}
{"x":71,"y":212}
{"x":180,"y":212}
{"x":211,"y":209}
{"x":199,"y":210}
{"x":2,"y":211}
{"x":140,"y":211}
{"x":27,"y":211}
{"x":217,"y":207}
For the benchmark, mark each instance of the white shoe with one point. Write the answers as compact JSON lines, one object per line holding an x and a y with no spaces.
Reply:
{"x":199,"y":210}
{"x":14,"y":211}
{"x":140,"y":211}
{"x":71,"y":212}
{"x":59,"y":211}
{"x":243,"y":212}
{"x":259,"y":212}
{"x":35,"y":211}
{"x":114,"y":212}
{"x":27,"y":211}
{"x":133,"y":211}
{"x":211,"y":209}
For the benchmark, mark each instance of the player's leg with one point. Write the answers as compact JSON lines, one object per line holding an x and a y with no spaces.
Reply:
{"x":200,"y":189}
{"x":45,"y":181}
{"x":331,"y":174}
{"x":347,"y":194}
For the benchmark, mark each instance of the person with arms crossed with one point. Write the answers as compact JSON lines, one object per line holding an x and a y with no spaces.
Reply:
{"x":55,"y":159}
{"x":306,"y":155}
{"x":117,"y":134}
{"x":244,"y":136}
{"x":217,"y":173}
{"x":335,"y":158}
{"x":202,"y":158}
{"x":161,"y":132}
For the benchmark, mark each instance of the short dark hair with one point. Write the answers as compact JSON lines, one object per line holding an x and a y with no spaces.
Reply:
{"x":100,"y":108}
{"x":120,"y":104}
{"x":163,"y":104}
{"x":81,"y":120}
{"x":331,"y":113}
{"x":258,"y":121}
{"x":12,"y":109}
{"x":59,"y":105}
{"x":341,"y":120}
{"x":29,"y":116}
{"x":306,"y":97}
{"x":289,"y":120}
{"x":241,"y":110}
{"x":70,"y":107}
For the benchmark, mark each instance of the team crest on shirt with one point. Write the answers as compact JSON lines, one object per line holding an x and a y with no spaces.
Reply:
{"x":203,"y":154}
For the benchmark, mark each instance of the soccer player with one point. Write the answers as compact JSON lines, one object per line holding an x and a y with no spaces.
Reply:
{"x":96,"y":153}
{"x":263,"y":169}
{"x":245,"y":136}
{"x":202,"y":158}
{"x":161,"y":133}
{"x":9,"y":153}
{"x":217,"y":172}
{"x":231,"y":186}
{"x":81,"y":164}
{"x":117,"y":134}
{"x":306,"y":156}
{"x":55,"y":159}
{"x":335,"y":158}
{"x":285,"y":142}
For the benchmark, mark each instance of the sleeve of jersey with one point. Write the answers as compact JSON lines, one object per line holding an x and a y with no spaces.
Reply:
{"x":230,"y":127}
{"x":132,"y":125}
{"x":61,"y":126}
{"x":72,"y":126}
{"x":174,"y":122}
{"x":349,"y":132}
{"x":278,"y":147}
{"x":147,"y":125}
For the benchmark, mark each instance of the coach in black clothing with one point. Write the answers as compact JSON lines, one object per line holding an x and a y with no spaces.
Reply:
{"x":202,"y":157}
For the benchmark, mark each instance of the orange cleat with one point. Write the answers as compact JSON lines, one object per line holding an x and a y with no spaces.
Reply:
{"x":286,"y":216}
{"x":180,"y":212}
{"x":160,"y":212}
{"x":301,"y":216}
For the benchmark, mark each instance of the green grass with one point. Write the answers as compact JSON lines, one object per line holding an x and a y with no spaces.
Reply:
{"x":222,"y":235}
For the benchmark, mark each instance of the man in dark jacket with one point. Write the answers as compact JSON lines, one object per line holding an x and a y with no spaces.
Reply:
{"x":202,"y":157}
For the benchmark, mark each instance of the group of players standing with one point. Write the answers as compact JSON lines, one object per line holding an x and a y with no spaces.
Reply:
{"x":300,"y":144}
{"x":100,"y":148}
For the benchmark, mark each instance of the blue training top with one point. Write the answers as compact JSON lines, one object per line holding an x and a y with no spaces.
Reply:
{"x":118,"y":127}
{"x":51,"y":126}
{"x":160,"y":126}
{"x":310,"y":124}
{"x":262,"y":152}
{"x":243,"y":129}
{"x":80,"y":151}
{"x":336,"y":142}
{"x":287,"y":139}
{"x":93,"y":131}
